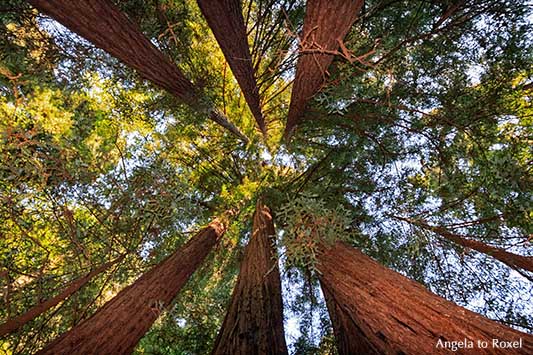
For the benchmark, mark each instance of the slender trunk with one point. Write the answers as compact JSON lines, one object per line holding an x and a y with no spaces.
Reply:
{"x":119,"y":325}
{"x":254,"y":322}
{"x":326,"y":24}
{"x":218,"y":116}
{"x":510,"y":259}
{"x":225,"y":19}
{"x":104,"y":25}
{"x":383,"y":312}
{"x":15,"y":323}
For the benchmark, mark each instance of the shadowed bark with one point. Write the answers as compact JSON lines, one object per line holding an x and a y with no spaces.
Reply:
{"x":254,"y":322}
{"x":510,"y":259}
{"x":15,"y":323}
{"x":383,"y":312}
{"x":118,"y":326}
{"x":326,"y":24}
{"x":104,"y":25}
{"x":349,"y":338}
{"x":225,"y":19}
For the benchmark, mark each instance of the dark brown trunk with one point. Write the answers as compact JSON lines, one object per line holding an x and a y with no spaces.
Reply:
{"x":15,"y":323}
{"x":326,"y":23}
{"x":254,"y":322}
{"x":225,"y":19}
{"x":380,"y":311}
{"x":512,"y":260}
{"x":104,"y":25}
{"x":119,"y":325}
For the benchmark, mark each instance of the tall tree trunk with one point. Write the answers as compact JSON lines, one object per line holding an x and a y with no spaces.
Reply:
{"x":100,"y":22}
{"x":380,"y":311}
{"x":254,"y":322}
{"x":326,"y":24}
{"x":225,"y":19}
{"x":119,"y":325}
{"x":349,"y":338}
{"x":16,"y":322}
{"x":510,"y":259}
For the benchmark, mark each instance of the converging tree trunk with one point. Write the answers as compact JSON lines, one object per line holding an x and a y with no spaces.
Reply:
{"x":103,"y":24}
{"x":225,"y":19}
{"x":254,"y":322}
{"x":348,"y":337}
{"x":326,"y":24}
{"x":16,"y":322}
{"x":380,"y":311}
{"x":119,"y":325}
{"x":510,"y":259}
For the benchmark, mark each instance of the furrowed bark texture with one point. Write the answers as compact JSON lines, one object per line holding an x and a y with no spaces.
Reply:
{"x":326,"y":23}
{"x":15,"y":323}
{"x":254,"y":322}
{"x":348,"y":337}
{"x":380,"y":311}
{"x":510,"y":259}
{"x":104,"y":25}
{"x":225,"y":19}
{"x":119,"y":325}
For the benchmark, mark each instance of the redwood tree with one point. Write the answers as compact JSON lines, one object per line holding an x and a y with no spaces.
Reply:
{"x":15,"y":323}
{"x":381,"y":311}
{"x":325,"y":26}
{"x":108,"y":28}
{"x":117,"y":327}
{"x":254,"y":322}
{"x":227,"y":23}
{"x":432,"y":121}
{"x":510,"y":259}
{"x":348,"y":337}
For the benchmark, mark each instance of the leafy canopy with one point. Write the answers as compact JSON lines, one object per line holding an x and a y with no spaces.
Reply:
{"x":434,"y":123}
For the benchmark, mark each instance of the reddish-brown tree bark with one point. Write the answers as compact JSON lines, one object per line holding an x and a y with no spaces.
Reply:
{"x":103,"y":24}
{"x":119,"y":325}
{"x":326,"y":24}
{"x":348,"y":337}
{"x":383,"y":312}
{"x":16,"y":322}
{"x":254,"y":322}
{"x":225,"y":19}
{"x":510,"y":259}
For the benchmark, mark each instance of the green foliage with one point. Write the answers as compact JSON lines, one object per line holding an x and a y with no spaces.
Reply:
{"x":434,"y":122}
{"x":308,"y":225}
